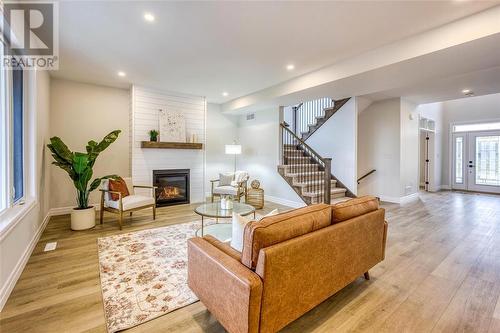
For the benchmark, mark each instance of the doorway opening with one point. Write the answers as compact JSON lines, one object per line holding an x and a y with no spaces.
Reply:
{"x":476,"y":157}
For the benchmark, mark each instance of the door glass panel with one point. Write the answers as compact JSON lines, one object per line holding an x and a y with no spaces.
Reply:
{"x":459,"y":149}
{"x":488,"y":160}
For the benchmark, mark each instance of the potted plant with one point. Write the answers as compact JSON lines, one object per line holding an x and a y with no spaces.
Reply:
{"x":79,"y":168}
{"x":153,"y":135}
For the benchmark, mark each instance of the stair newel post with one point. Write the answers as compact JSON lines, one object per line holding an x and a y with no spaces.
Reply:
{"x":328,"y":180}
{"x":282,"y":151}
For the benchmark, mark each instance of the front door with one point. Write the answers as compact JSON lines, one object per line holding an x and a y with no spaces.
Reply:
{"x":476,"y":161}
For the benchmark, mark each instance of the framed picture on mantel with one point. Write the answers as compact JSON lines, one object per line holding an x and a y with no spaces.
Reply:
{"x":172,"y":126}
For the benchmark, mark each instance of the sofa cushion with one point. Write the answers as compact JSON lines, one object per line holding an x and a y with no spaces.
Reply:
{"x":229,"y":190}
{"x":279,"y":228}
{"x":132,"y":201}
{"x":225,"y":179}
{"x":355,"y":207}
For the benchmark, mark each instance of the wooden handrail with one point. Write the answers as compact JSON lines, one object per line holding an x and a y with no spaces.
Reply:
{"x":366,"y":175}
{"x":301,"y":142}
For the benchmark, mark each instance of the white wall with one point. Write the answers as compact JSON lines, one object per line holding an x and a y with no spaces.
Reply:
{"x":409,"y":148}
{"x":379,"y":138}
{"x":82,"y":112}
{"x":337,"y":139}
{"x":471,"y":109}
{"x":145,"y":105}
{"x":18,"y":241}
{"x":221,"y":130}
{"x":260,"y":155}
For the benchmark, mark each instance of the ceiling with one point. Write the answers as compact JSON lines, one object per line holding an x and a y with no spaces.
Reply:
{"x":205,"y":48}
{"x":482,"y":82}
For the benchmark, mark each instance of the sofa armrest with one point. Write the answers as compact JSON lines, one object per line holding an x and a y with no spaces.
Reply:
{"x":224,"y":247}
{"x":229,"y":290}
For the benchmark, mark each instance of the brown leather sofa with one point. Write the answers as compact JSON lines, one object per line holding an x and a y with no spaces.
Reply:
{"x":290,"y":263}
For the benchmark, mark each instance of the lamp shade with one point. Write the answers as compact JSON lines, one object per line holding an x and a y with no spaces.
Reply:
{"x":233,"y":149}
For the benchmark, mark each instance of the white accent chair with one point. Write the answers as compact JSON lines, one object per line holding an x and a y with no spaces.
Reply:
{"x":237,"y":189}
{"x":127,"y":204}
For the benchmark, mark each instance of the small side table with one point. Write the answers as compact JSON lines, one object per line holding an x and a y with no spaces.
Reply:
{"x":255,"y":197}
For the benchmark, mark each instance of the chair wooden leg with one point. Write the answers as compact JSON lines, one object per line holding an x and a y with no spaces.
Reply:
{"x":367,"y":275}
{"x":120,"y":220}
{"x":101,"y":214}
{"x":154,"y":212}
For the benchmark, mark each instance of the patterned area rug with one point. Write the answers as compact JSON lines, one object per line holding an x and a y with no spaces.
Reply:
{"x":144,"y":274}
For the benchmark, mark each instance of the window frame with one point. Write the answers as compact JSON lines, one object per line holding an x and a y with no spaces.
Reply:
{"x":7,"y":138}
{"x":4,"y":142}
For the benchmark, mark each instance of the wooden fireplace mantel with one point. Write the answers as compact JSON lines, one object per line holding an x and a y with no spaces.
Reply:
{"x":171,"y":145}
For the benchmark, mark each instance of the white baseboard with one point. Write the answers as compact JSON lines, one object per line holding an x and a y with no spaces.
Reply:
{"x":16,"y":273}
{"x":445,"y":187}
{"x":284,"y":202}
{"x":390,"y":199}
{"x":408,"y":198}
{"x":399,"y":200}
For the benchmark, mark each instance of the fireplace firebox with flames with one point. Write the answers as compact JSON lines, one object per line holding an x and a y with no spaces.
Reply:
{"x":172,"y":186}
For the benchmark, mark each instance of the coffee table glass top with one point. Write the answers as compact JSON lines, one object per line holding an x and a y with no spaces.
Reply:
{"x":213,"y":210}
{"x":221,"y":231}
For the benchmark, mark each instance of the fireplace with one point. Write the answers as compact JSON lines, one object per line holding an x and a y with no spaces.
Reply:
{"x":173,"y":186}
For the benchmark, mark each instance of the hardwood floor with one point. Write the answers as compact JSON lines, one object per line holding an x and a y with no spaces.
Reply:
{"x":441,"y":274}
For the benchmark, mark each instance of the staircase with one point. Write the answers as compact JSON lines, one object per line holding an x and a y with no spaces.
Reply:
{"x":311,"y":115}
{"x":307,"y":172}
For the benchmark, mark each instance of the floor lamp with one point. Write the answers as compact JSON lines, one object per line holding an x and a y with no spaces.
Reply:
{"x":233,"y":149}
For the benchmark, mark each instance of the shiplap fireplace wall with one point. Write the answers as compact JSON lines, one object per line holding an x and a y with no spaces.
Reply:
{"x":145,"y":105}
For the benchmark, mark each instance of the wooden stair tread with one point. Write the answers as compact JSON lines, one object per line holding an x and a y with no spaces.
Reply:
{"x":334,"y":190}
{"x":312,"y":183}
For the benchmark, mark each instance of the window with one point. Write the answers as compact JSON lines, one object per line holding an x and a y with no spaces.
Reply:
{"x":476,"y":127}
{"x":459,"y":150}
{"x":17,"y":135}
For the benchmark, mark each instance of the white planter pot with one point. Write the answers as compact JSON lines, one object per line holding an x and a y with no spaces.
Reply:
{"x":82,"y":219}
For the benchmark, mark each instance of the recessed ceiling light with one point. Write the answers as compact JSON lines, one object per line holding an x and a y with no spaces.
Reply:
{"x":225,"y":94}
{"x":122,"y":74}
{"x":149,"y":17}
{"x":290,"y":67}
{"x":466,"y":91}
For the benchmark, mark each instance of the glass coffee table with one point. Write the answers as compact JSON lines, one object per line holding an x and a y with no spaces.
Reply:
{"x":221,"y":231}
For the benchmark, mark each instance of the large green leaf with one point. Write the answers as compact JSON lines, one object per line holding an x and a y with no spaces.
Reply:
{"x":66,"y":168}
{"x":58,"y":147}
{"x":80,"y":161}
{"x":85,"y":178}
{"x":107,"y":140}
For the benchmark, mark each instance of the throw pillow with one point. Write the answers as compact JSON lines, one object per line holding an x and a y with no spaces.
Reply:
{"x":239,"y":223}
{"x":225,"y":179}
{"x":118,"y":185}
